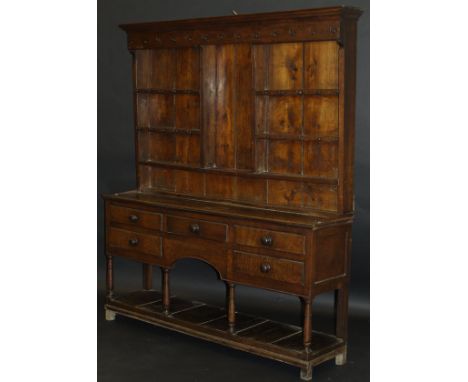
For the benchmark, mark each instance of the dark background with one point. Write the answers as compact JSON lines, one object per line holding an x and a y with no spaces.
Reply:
{"x":133,"y":351}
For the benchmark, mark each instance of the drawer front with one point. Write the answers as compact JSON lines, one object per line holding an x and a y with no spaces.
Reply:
{"x":264,"y":267}
{"x":135,"y":217}
{"x":197,"y":228}
{"x":134,"y":241}
{"x":279,"y":241}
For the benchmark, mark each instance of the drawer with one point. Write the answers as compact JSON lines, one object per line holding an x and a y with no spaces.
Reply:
{"x":134,"y":241}
{"x":264,"y":267}
{"x":197,"y":228}
{"x":135,"y":217}
{"x":262,"y":238}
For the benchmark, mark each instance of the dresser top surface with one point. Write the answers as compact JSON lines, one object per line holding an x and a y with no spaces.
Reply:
{"x":232,"y":210}
{"x":322,"y":13}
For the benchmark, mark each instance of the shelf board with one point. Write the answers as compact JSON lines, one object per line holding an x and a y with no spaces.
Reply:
{"x":168,"y":130}
{"x":167,"y":91}
{"x":242,"y":173}
{"x":298,"y":92}
{"x":296,"y":137}
{"x":252,"y":334}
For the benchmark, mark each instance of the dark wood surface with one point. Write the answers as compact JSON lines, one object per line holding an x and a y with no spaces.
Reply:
{"x":244,"y":145}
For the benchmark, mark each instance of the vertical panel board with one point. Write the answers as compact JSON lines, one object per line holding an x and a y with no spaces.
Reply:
{"x":189,"y":182}
{"x":321,"y":159}
{"x":321,"y":116}
{"x":285,"y":193}
{"x":162,"y":147}
{"x":321,"y":71}
{"x":208,"y":59}
{"x":320,"y":196}
{"x":284,"y":115}
{"x":163,"y":69}
{"x":145,"y":177}
{"x":244,"y":106}
{"x":187,"y":112}
{"x":285,"y":157}
{"x":187,"y":69}
{"x":162,"y":179}
{"x":261,"y":56}
{"x":188,"y":149}
{"x":143,"y":68}
{"x":285,"y":66}
{"x":161,"y":110}
{"x":143,"y":120}
{"x":225,"y":116}
{"x":220,"y":186}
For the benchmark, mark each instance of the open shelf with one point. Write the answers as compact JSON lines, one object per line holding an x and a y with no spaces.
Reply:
{"x":255,"y":335}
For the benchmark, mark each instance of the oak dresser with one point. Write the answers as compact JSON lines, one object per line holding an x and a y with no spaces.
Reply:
{"x":244,"y":141}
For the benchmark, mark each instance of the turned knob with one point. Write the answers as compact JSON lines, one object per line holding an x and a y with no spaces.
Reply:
{"x":133,"y":242}
{"x":194,"y":228}
{"x":265,"y":268}
{"x":133,"y":218}
{"x":267,"y":240}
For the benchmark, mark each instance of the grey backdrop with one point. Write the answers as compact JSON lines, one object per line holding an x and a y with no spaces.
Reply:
{"x":116,"y":144}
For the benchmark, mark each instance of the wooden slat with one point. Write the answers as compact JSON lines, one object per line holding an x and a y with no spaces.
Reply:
{"x":269,"y":332}
{"x":200,"y":314}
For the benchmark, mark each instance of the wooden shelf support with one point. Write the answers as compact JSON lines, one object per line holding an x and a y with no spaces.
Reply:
{"x":307,"y":325}
{"x":165,"y":290}
{"x":147,"y":276}
{"x":231,"y":306}
{"x":109,"y":277}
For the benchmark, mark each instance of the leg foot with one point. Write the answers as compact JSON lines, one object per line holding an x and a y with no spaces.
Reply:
{"x":306,"y":373}
{"x":110,"y":315}
{"x":340,"y":359}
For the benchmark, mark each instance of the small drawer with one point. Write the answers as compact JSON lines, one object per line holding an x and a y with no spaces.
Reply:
{"x":135,"y":217}
{"x":258,"y":267}
{"x":134,"y":241}
{"x":279,"y":241}
{"x":197,"y":228}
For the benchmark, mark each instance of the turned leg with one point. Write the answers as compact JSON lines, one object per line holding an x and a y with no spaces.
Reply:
{"x":341,"y":320}
{"x":110,"y":316}
{"x":306,"y":373}
{"x":231,"y":307}
{"x":307,"y":324}
{"x":165,"y":290}
{"x":147,"y":276}
{"x":109,"y":278}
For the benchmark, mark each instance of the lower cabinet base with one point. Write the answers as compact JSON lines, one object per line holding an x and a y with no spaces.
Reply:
{"x":255,"y":335}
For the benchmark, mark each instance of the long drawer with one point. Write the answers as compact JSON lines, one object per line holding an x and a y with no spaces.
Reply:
{"x":260,"y":268}
{"x":134,"y":241}
{"x":135,"y":217}
{"x":270,"y":239}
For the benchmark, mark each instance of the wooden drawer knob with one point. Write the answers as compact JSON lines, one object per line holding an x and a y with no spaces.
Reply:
{"x":267,"y":240}
{"x":133,"y":242}
{"x":265,"y":268}
{"x":133,"y":218}
{"x":194,"y":228}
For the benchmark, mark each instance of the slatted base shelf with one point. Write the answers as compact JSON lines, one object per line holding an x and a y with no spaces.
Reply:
{"x":255,"y":335}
